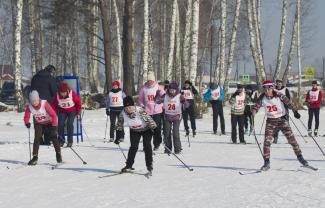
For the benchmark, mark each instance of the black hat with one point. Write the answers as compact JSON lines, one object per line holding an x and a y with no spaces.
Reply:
{"x":239,"y":86}
{"x":128,"y":101}
{"x":166,"y":82}
{"x":314,"y":82}
{"x":50,"y":68}
{"x":279,"y":80}
{"x":188,"y":82}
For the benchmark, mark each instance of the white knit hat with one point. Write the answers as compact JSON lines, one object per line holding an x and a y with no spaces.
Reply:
{"x":151,"y":76}
{"x":33,"y":96}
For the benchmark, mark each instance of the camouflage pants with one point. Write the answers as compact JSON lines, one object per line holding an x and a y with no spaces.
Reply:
{"x":281,"y":124}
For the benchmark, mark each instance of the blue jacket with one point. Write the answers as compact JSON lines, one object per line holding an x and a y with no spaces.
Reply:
{"x":207,"y":95}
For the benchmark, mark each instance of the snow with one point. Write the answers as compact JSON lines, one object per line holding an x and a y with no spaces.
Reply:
{"x":215,"y":181}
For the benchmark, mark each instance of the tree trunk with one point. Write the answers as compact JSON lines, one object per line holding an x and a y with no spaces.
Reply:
{"x":287,"y":71}
{"x":32,"y":35}
{"x":172,"y":42}
{"x":128,"y":46}
{"x":119,"y":44}
{"x":177,"y":68}
{"x":17,"y":55}
{"x":195,"y":40}
{"x":281,"y":42}
{"x":145,"y":43}
{"x":187,"y":40}
{"x":232,"y":46}
{"x":107,"y":49}
{"x":94,"y":46}
{"x":298,"y":7}
{"x":259,"y":71}
{"x":223,"y":40}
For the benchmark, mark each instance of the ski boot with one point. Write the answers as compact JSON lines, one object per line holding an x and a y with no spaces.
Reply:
{"x":58,"y":157}
{"x":156,"y":148}
{"x":111,"y":140}
{"x":122,"y":139}
{"x":251,"y":131}
{"x":69,"y":144}
{"x":302,"y":160}
{"x":194,"y":133}
{"x":214,"y":132}
{"x":149,"y":168}
{"x":310,"y":132}
{"x":316,"y":132}
{"x":266,"y":165}
{"x":187,"y":132}
{"x":33,"y":161}
{"x":127,"y":168}
{"x":275,"y":140}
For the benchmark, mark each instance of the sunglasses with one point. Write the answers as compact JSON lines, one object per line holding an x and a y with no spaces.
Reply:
{"x":268,"y":86}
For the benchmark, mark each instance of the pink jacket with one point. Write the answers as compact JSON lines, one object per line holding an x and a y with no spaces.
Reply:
{"x":148,"y":97}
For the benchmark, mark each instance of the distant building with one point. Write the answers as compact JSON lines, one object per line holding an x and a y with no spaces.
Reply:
{"x":6,"y":73}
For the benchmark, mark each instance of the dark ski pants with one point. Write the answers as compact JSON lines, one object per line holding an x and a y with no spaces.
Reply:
{"x":237,"y":119}
{"x":135,"y":137}
{"x":189,"y":112}
{"x":283,"y":125}
{"x":311,"y":113}
{"x":39,"y":129}
{"x":69,"y":117}
{"x":217,"y":110}
{"x":113,"y":117}
{"x":172,"y":127}
{"x":248,"y":117}
{"x":157,"y":139}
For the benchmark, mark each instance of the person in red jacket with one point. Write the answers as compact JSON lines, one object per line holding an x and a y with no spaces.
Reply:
{"x":45,"y":117}
{"x":314,"y":100}
{"x":68,"y":106}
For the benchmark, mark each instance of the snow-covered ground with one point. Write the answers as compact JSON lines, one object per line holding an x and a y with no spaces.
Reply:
{"x":215,"y":181}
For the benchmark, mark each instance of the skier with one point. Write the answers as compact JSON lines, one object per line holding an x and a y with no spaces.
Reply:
{"x":238,"y":102}
{"x":173,"y":101}
{"x":275,"y":111}
{"x":215,"y":95}
{"x":314,"y":98}
{"x":252,"y":97}
{"x":68,"y":105}
{"x":281,"y":89}
{"x":45,"y":117}
{"x":114,"y":106}
{"x":189,"y":91}
{"x":141,"y":124}
{"x":147,"y":100}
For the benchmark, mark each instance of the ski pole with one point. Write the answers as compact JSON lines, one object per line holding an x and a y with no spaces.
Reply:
{"x":30,"y":154}
{"x":298,"y":129}
{"x":84,"y":162}
{"x":83,"y":128}
{"x":312,"y":137}
{"x":258,"y":144}
{"x":262,"y":123}
{"x":122,"y":151}
{"x":188,"y":140}
{"x":106,"y":128}
{"x":189,"y":168}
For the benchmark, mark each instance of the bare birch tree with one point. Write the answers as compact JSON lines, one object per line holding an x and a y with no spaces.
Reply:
{"x":232,"y":45}
{"x":187,"y":40}
{"x":281,"y":41}
{"x":221,"y":59}
{"x":172,"y":42}
{"x":119,"y":44}
{"x":145,"y":42}
{"x":195,"y":40}
{"x":17,"y":55}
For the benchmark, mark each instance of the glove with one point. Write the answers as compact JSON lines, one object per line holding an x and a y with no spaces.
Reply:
{"x":107,"y":111}
{"x":27,"y":125}
{"x":117,"y":141}
{"x":296,"y":114}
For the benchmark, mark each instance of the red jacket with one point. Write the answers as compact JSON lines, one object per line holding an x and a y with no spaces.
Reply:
{"x":76,"y":100}
{"x":315,"y":104}
{"x":48,"y":109}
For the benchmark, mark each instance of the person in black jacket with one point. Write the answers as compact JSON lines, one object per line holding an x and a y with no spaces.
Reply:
{"x":283,"y":90}
{"x":44,"y":83}
{"x":189,"y":91}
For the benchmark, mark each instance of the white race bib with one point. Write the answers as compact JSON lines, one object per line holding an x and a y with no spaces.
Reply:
{"x":150,"y":94}
{"x":172,"y":105}
{"x":40,"y":115}
{"x":274,"y":107}
{"x":313,"y":95}
{"x":66,"y":102}
{"x":116,"y":99}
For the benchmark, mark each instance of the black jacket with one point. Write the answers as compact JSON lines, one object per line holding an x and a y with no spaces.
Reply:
{"x":45,"y":84}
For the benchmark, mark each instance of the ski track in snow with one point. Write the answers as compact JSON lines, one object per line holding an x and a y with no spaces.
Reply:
{"x":215,"y":181}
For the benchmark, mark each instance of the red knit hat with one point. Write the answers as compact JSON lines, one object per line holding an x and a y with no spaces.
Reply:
{"x":267,"y":83}
{"x":64,"y":87}
{"x":116,"y":83}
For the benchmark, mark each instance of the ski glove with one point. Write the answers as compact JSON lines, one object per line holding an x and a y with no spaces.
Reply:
{"x":107,"y":111}
{"x":27,"y":125}
{"x":296,"y":114}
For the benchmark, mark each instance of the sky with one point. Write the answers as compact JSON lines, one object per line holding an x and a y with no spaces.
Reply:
{"x":271,"y":19}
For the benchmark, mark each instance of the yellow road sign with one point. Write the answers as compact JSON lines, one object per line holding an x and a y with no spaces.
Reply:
{"x":309,"y":72}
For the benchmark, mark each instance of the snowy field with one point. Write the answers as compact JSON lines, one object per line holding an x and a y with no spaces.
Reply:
{"x":215,"y":181}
